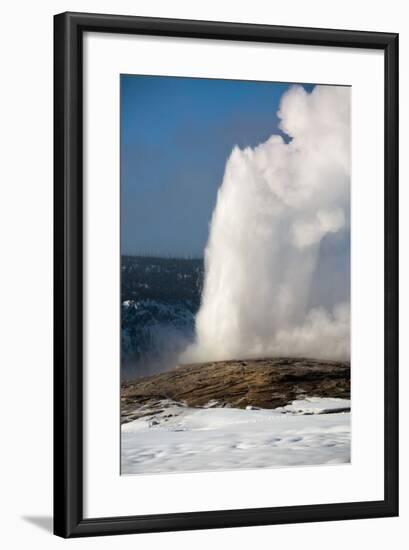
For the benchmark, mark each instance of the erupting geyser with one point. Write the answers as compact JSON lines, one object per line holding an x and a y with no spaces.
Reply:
{"x":276,"y":204}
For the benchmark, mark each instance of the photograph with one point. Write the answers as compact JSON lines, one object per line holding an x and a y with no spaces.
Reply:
{"x":202,"y":265}
{"x":235,"y":199}
{"x":226,"y":220}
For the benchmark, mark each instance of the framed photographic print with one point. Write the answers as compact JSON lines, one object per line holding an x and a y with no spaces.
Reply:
{"x":226,"y":275}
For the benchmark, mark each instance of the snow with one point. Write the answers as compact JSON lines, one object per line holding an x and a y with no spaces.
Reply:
{"x":311,"y":431}
{"x":318,"y":405}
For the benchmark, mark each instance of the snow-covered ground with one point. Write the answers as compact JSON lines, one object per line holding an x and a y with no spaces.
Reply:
{"x":182,"y":439}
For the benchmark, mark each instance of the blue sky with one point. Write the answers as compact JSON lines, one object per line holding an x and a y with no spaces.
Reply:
{"x":176,"y":135}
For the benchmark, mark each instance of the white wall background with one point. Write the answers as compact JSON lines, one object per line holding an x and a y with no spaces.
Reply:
{"x":26,"y":269}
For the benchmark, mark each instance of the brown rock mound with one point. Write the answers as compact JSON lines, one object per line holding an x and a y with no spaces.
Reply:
{"x":264,"y":383}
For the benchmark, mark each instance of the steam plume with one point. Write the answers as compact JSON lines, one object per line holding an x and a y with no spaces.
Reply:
{"x":275,"y":206}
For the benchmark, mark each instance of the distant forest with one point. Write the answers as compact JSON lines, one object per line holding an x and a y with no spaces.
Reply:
{"x":148,"y":277}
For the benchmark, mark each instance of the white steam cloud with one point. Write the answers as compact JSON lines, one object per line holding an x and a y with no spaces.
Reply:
{"x":276,"y":204}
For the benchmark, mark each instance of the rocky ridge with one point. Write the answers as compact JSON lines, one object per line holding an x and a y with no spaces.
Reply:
{"x":259,"y":383}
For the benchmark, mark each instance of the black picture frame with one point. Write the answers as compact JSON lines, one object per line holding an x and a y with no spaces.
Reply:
{"x":68,"y":274}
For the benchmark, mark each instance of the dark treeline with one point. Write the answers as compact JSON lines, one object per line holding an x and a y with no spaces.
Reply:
{"x":158,"y":278}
